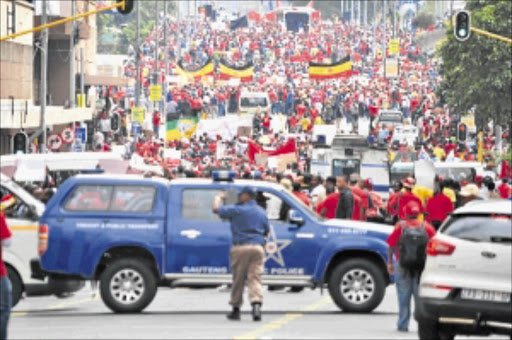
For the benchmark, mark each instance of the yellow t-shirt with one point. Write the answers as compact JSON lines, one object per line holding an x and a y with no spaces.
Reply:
{"x":450,"y":193}
{"x":423,"y":193}
{"x":439,"y":152}
{"x":318,"y":121}
{"x":304,"y":122}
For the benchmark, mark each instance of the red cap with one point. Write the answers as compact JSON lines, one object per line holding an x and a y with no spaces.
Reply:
{"x":368,"y":184}
{"x":409,"y":182}
{"x":412,"y":210}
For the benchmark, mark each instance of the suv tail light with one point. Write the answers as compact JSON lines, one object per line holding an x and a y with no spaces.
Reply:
{"x":437,"y":247}
{"x":42,"y":243}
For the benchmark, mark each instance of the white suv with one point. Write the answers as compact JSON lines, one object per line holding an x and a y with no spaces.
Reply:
{"x":466,"y":285}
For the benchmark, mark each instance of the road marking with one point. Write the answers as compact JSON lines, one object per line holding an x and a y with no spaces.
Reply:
{"x":71,"y":303}
{"x":282,"y":321}
{"x":57,"y":306}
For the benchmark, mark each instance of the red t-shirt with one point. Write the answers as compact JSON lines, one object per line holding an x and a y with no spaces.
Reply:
{"x":5,"y":233}
{"x":301,"y":110}
{"x":266,"y":121}
{"x":293,"y":121}
{"x":302,"y":196}
{"x":330,"y":203}
{"x":394,"y":237}
{"x":404,"y":199}
{"x":438,"y":207}
{"x":504,"y":190}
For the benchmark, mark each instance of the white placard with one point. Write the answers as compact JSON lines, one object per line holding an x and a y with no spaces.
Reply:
{"x":272,"y":162}
{"x":172,"y":153}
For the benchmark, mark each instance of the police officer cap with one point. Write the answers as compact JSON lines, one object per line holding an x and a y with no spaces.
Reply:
{"x":248,"y":190}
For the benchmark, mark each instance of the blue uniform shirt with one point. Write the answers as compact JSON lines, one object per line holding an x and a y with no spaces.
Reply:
{"x":249,"y":222}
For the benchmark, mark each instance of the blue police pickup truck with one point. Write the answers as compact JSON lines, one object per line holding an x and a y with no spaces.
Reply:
{"x":134,"y":234}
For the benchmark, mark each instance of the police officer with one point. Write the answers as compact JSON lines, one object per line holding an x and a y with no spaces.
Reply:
{"x":249,"y":228}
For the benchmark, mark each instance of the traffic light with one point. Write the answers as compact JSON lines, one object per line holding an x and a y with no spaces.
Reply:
{"x":128,"y":6}
{"x":19,"y":143}
{"x":462,"y":132}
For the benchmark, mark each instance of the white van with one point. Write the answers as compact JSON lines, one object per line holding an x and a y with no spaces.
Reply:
{"x":252,"y":102}
{"x":21,"y":258}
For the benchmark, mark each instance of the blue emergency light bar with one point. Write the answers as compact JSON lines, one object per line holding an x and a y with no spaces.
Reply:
{"x":223,"y":176}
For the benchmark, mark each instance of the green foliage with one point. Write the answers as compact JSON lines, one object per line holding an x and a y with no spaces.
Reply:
{"x":128,"y":35}
{"x":477,"y":72}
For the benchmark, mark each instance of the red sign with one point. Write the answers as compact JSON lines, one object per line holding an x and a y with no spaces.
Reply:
{"x":54,"y":142}
{"x":68,"y":135}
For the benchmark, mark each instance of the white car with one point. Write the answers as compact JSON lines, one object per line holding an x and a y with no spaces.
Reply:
{"x":467,"y":282}
{"x":21,"y":258}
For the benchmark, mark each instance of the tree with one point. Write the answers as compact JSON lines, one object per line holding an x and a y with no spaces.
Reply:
{"x":129,"y":24}
{"x":477,"y":72}
{"x":424,"y":20}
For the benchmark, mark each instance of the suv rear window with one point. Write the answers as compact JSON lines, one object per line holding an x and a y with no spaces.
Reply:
{"x":121,"y":198}
{"x":480,"y":228}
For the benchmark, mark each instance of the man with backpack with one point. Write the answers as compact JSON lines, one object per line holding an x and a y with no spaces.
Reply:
{"x":408,"y":242}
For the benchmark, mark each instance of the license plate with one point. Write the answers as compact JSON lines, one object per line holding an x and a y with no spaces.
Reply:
{"x":484,"y":295}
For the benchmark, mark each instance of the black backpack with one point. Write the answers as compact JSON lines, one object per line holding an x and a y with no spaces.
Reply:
{"x":412,"y":248}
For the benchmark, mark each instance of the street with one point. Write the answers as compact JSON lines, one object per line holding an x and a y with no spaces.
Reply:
{"x":200,"y":314}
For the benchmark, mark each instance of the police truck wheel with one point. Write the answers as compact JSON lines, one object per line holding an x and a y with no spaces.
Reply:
{"x":16,"y":284}
{"x":128,"y":286}
{"x":357,"y":286}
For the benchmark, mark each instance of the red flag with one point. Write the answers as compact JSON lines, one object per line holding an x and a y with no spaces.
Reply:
{"x":253,"y":149}
{"x":311,"y":4}
{"x":254,"y":16}
{"x":289,"y":147}
{"x":271,"y":16}
{"x":316,"y":16}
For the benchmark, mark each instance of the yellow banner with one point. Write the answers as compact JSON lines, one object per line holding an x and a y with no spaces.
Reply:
{"x":394,"y":47}
{"x":205,"y":71}
{"x":391,"y":67}
{"x":328,"y":70}
{"x":236,"y":73}
{"x":155,"y":93}
{"x":138,"y":114}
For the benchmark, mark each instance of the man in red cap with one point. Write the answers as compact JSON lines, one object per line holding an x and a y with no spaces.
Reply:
{"x":408,"y":242}
{"x":407,"y":196}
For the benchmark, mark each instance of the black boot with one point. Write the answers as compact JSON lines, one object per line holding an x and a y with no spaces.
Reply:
{"x":256,"y":311}
{"x":234,"y":315}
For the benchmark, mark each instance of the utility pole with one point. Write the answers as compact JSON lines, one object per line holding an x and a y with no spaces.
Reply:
{"x":44,"y":71}
{"x":351,"y":12}
{"x":384,"y":10}
{"x":394,"y":18}
{"x":365,"y":13}
{"x":72,"y":85}
{"x":178,"y":15}
{"x":82,"y":73}
{"x":137,"y":57}
{"x":374,"y":23}
{"x":195,"y":15}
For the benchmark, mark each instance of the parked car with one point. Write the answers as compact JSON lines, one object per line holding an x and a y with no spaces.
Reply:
{"x":21,"y":258}
{"x":466,"y":285}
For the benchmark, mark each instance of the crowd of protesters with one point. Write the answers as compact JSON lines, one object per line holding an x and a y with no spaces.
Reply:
{"x":280,"y":59}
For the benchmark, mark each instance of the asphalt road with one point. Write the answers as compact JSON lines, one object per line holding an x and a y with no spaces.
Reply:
{"x":200,"y":314}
